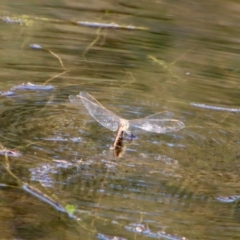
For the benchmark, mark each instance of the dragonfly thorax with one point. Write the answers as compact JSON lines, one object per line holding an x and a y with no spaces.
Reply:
{"x":124,"y":124}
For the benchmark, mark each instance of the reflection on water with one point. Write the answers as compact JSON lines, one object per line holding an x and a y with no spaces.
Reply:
{"x":200,"y":105}
{"x":180,"y":57}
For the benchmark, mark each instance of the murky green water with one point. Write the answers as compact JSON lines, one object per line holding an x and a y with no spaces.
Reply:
{"x":65,"y":183}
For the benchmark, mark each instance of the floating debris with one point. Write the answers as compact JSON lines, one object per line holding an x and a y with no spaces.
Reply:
{"x":10,"y":153}
{"x":109,"y":25}
{"x":62,"y":163}
{"x":228,"y":199}
{"x":26,"y":86}
{"x":31,"y":86}
{"x":201,"y":105}
{"x":60,"y":139}
{"x":140,"y":228}
{"x":9,"y":20}
{"x":76,"y":139}
{"x":107,"y":237}
{"x":35,"y":46}
{"x":56,"y":139}
{"x":161,"y":158}
{"x":6,"y":93}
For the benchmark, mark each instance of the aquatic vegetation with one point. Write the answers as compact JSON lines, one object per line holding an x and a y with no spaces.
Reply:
{"x":10,"y":20}
{"x":23,"y":20}
{"x":109,"y":25}
{"x":27,"y":19}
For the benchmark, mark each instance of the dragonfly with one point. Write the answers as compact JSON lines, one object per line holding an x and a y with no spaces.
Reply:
{"x":158,"y":123}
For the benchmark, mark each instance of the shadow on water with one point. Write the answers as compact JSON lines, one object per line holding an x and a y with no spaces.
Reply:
{"x":59,"y":179}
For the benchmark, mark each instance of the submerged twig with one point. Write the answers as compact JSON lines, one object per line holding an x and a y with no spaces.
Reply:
{"x":58,"y":75}
{"x":59,"y":59}
{"x":37,"y":46}
{"x":92,"y":43}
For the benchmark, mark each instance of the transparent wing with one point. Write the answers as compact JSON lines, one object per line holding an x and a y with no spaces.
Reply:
{"x":103,"y":116}
{"x":90,"y":98}
{"x":157,"y":125}
{"x":75,"y":99}
{"x":161,"y":115}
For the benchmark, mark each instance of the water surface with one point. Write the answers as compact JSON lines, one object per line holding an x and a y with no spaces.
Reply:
{"x":179,"y":56}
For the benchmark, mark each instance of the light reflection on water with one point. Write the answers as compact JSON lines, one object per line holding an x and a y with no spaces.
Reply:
{"x":186,"y":61}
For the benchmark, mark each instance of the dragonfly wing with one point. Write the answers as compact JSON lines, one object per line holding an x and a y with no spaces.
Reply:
{"x":103,"y":116}
{"x":90,"y":98}
{"x":157,"y":125}
{"x":75,"y":99}
{"x":161,"y":115}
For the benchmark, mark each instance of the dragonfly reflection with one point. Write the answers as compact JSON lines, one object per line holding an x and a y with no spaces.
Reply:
{"x":158,"y":123}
